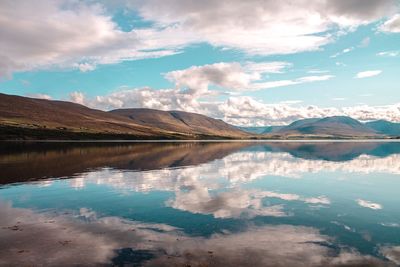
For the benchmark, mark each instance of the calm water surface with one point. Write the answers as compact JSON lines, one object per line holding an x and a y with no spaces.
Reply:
{"x":200,"y":204}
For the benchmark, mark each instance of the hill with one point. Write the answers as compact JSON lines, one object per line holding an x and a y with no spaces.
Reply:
{"x":336,"y":126}
{"x":30,"y":118}
{"x":385,"y":127}
{"x":179,"y":121}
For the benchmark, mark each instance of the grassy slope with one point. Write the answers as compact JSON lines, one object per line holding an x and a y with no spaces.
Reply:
{"x":29,"y":118}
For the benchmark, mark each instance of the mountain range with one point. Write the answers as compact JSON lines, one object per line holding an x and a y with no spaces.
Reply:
{"x":31,"y":118}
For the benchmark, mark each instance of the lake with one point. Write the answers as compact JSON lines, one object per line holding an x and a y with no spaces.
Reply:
{"x":200,"y":204}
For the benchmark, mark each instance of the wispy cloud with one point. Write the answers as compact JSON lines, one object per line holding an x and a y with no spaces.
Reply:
{"x":393,"y":53}
{"x":344,"y":51}
{"x":368,"y":73}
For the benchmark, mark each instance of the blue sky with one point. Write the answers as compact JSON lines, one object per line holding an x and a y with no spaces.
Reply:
{"x":249,"y":63}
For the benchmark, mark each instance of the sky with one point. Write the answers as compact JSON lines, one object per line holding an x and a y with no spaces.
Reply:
{"x":250,"y":63}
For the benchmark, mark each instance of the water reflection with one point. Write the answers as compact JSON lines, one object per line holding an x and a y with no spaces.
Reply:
{"x":52,"y":239}
{"x":200,"y":204}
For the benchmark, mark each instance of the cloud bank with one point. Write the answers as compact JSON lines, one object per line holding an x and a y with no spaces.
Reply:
{"x":81,"y":35}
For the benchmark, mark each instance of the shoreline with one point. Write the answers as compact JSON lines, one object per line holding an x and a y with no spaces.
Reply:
{"x":214,"y":141}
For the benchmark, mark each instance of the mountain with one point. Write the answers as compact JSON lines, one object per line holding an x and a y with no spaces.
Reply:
{"x":385,"y":127}
{"x":179,"y":121}
{"x":30,"y":118}
{"x":336,"y":126}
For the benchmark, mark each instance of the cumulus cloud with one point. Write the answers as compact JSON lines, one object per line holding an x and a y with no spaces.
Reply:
{"x":368,"y":73}
{"x":391,"y":25}
{"x":79,"y":34}
{"x":265,"y":27}
{"x":77,"y":97}
{"x":62,"y":34}
{"x":234,"y":76}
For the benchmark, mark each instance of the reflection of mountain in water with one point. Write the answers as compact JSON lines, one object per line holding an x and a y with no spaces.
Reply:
{"x":217,"y":204}
{"x":337,"y":151}
{"x":31,"y":161}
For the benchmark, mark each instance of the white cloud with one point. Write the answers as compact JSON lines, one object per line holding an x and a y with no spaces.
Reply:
{"x":77,"y":97}
{"x":41,"y":96}
{"x":265,"y":27}
{"x":369,"y":204}
{"x":391,"y":25}
{"x":62,"y":34}
{"x":84,"y":67}
{"x":194,"y":83}
{"x":67,"y":32}
{"x":368,"y":73}
{"x":340,"y":64}
{"x":267,"y":67}
{"x":234,"y":76}
{"x":317,"y":71}
{"x":199,"y":78}
{"x":248,"y":111}
{"x":388,"y":53}
{"x":344,"y":51}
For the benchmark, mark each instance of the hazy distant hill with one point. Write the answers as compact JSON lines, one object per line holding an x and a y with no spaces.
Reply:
{"x":179,"y":121}
{"x":23,"y":117}
{"x":385,"y":127}
{"x":260,"y":129}
{"x":336,"y":126}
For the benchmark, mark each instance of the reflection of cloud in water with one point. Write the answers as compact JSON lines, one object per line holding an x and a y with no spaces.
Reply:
{"x":235,"y":203}
{"x":55,"y":240}
{"x":232,"y":204}
{"x":369,"y":204}
{"x":198,"y":190}
{"x":244,"y":166}
{"x":236,"y":169}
